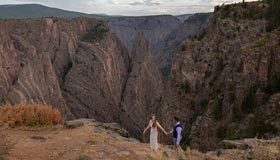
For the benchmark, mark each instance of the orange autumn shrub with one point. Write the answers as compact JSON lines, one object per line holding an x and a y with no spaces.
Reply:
{"x":29,"y":115}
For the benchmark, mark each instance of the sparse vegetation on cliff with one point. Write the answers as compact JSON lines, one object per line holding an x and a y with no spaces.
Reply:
{"x":29,"y":115}
{"x":98,"y":32}
{"x":257,"y":127}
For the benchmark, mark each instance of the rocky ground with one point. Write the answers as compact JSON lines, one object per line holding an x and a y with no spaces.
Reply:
{"x":89,"y":139}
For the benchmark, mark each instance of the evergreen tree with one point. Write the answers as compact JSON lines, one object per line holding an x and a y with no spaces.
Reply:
{"x":273,"y":14}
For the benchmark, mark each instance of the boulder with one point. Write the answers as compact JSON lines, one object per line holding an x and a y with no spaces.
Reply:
{"x":116,"y":128}
{"x":74,"y":124}
{"x":235,"y":144}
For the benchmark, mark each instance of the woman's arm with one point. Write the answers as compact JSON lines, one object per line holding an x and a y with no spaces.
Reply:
{"x":145,"y":130}
{"x":160,"y":127}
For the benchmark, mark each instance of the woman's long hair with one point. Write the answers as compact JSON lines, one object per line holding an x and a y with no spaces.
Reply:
{"x":154,"y":120}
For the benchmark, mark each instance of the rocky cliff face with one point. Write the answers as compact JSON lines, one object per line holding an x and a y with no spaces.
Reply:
{"x":143,"y":88}
{"x":79,"y":67}
{"x":44,"y":61}
{"x":165,"y":33}
{"x":225,"y":81}
{"x":93,"y":85}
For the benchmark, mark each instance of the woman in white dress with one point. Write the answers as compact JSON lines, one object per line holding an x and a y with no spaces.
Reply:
{"x":154,"y":124}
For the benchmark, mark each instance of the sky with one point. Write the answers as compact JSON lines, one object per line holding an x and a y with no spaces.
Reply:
{"x":130,"y":7}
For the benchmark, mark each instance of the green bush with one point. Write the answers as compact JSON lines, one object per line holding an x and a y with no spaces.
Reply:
{"x":220,"y":65}
{"x":166,"y":72}
{"x":203,"y":105}
{"x":221,"y":132}
{"x":183,"y":48}
{"x":239,"y":11}
{"x":270,"y":87}
{"x":217,"y":108}
{"x":249,"y":102}
{"x":236,"y":112}
{"x":226,"y":11}
{"x":230,"y":134}
{"x":258,"y":127}
{"x":265,"y":98}
{"x":97,"y":33}
{"x":231,"y":97}
{"x":201,"y":35}
{"x":273,"y":14}
{"x":187,"y":87}
{"x":274,"y":84}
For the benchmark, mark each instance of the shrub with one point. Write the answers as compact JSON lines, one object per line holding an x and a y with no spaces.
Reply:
{"x":249,"y":102}
{"x":258,"y":127}
{"x":220,"y":65}
{"x":201,"y":35}
{"x":274,"y":83}
{"x":183,"y":48}
{"x":221,"y":132}
{"x":265,"y":98}
{"x":273,"y":14}
{"x":166,"y":72}
{"x":271,"y":87}
{"x":203,"y":105}
{"x":217,"y":108}
{"x":29,"y":115}
{"x":226,"y":11}
{"x":236,"y":112}
{"x":96,"y":33}
{"x":187,"y":87}
{"x":231,"y":97}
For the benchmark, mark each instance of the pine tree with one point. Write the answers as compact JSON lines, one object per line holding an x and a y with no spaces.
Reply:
{"x":273,"y":14}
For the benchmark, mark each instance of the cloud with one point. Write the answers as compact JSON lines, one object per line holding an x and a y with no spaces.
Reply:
{"x":115,"y":2}
{"x":130,"y":7}
{"x":145,"y":2}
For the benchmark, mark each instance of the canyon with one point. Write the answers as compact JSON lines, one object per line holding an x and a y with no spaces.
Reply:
{"x":219,"y":72}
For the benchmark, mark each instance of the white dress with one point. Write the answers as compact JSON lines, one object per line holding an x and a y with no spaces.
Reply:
{"x":153,"y":136}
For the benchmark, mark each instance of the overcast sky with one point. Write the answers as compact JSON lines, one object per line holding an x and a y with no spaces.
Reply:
{"x":130,"y":7}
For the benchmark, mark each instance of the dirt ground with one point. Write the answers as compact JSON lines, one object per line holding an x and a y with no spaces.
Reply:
{"x":71,"y":144}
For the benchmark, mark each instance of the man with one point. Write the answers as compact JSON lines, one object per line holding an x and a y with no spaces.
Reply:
{"x":177,"y":132}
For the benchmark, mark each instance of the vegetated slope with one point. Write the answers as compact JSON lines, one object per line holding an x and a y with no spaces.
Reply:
{"x":225,"y":82}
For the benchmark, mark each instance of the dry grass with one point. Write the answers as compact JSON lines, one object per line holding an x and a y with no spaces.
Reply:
{"x":29,"y":115}
{"x":5,"y":144}
{"x":194,"y":154}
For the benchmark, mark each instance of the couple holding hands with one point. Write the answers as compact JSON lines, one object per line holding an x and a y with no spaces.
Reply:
{"x":154,"y":125}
